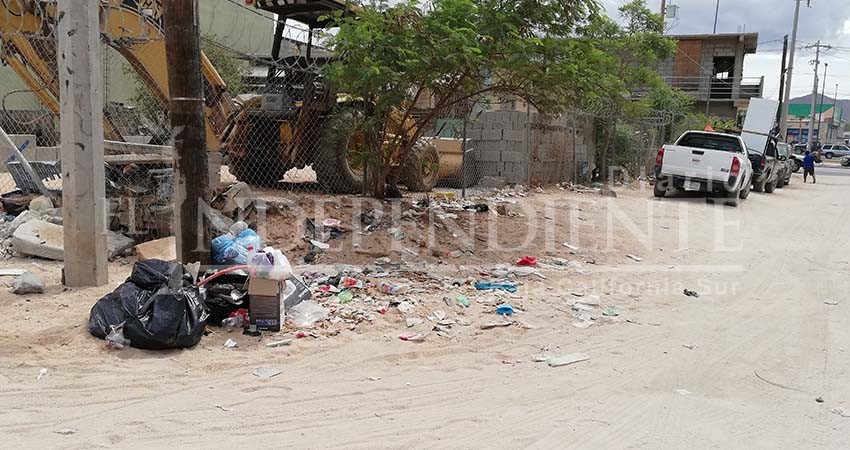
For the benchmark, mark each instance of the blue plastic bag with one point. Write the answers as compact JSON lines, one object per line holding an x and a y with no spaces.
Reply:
{"x":227,"y":250}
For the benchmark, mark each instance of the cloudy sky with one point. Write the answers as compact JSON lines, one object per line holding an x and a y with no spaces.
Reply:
{"x":827,"y":20}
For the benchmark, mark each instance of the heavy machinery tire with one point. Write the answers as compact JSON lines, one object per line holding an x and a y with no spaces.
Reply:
{"x":421,"y":167}
{"x":257,"y":170}
{"x":333,"y":163}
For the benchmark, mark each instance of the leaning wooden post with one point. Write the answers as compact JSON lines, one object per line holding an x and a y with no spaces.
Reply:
{"x":188,"y":125}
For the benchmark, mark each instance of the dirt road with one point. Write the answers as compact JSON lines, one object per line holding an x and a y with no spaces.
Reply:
{"x":739,"y":367}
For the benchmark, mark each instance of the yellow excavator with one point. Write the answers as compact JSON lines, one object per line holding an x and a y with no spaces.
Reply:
{"x":297,"y":121}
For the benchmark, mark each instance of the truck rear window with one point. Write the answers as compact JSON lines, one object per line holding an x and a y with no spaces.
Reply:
{"x":711,"y":142}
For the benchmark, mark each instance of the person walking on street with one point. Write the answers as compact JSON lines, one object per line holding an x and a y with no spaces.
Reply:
{"x":809,"y":166}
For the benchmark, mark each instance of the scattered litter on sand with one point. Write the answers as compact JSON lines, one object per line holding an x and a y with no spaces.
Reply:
{"x":634,"y":258}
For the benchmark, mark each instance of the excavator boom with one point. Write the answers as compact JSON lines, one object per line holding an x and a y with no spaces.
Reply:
{"x":134,"y":28}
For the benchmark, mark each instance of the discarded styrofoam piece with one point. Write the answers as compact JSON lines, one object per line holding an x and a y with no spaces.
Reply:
{"x":570,"y":246}
{"x":566,"y":360}
{"x":682,"y":391}
{"x":12,"y":272}
{"x":831,"y":302}
{"x":539,"y":357}
{"x":41,"y":374}
{"x":634,"y":258}
{"x":230,"y":343}
{"x":265,"y":373}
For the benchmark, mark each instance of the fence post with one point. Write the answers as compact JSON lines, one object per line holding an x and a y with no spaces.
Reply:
{"x":188,"y":124}
{"x":81,"y":127}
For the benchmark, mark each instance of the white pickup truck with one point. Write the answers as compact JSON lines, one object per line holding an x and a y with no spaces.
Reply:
{"x":703,"y":161}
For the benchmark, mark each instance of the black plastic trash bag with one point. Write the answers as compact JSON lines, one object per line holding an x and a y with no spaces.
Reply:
{"x":158,"y":305}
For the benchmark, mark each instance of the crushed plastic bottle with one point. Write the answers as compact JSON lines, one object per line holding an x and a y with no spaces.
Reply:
{"x":393,"y":288}
{"x":115,"y":339}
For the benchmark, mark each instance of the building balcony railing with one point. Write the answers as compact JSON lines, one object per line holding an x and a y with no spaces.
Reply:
{"x":729,"y":88}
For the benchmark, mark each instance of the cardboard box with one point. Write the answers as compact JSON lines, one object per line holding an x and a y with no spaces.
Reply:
{"x":265,"y":297}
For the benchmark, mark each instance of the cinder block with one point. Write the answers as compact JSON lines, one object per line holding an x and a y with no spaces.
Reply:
{"x":490,"y":168}
{"x":490,"y":155}
{"x":514,"y":135}
{"x":491,"y":135}
{"x":514,"y":157}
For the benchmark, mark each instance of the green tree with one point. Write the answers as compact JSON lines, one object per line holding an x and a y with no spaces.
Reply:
{"x":635,"y":46}
{"x":392,"y":56}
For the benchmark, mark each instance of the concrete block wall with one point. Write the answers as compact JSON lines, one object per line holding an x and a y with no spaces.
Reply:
{"x":520,"y":146}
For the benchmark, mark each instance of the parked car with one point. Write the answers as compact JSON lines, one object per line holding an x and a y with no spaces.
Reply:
{"x":766,"y":167}
{"x":845,"y":161}
{"x":783,"y":151}
{"x":704,"y":162}
{"x":830,"y":151}
{"x":799,"y":152}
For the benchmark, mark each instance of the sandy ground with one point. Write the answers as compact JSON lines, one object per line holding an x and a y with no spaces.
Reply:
{"x":738,"y":367}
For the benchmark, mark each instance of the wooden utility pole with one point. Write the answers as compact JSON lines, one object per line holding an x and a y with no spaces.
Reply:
{"x":188,"y":127}
{"x":81,"y":126}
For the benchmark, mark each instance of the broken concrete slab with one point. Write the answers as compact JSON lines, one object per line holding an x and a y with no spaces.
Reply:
{"x":28,"y":283}
{"x":117,"y":245}
{"x":164,"y":249}
{"x":36,"y":237}
{"x":21,"y":219}
{"x":40,"y":238}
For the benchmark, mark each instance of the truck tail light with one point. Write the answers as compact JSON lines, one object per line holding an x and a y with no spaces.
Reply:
{"x":763,"y":162}
{"x":735,"y":170}
{"x":659,"y":158}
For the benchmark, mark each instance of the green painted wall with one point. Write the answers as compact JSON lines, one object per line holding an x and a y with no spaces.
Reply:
{"x":246,"y":31}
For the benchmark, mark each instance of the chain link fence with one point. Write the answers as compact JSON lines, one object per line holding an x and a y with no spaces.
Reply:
{"x":272,"y":121}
